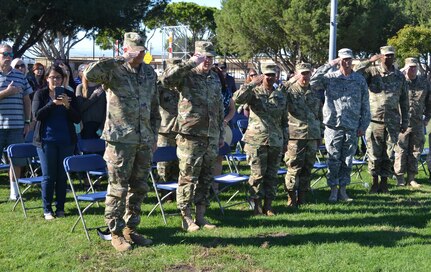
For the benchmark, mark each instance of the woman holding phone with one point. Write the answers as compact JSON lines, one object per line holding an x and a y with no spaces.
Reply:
{"x":55,"y":110}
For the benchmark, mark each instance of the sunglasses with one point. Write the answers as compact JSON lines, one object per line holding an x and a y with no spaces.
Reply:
{"x":253,"y":75}
{"x":5,"y":54}
{"x":20,"y":66}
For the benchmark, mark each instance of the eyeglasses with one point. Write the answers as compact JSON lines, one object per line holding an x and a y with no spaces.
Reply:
{"x":270,"y":75}
{"x":55,"y":77}
{"x":5,"y":54}
{"x":22,"y":65}
{"x":253,"y":75}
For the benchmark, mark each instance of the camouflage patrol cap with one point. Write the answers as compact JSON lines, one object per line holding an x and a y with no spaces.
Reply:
{"x":135,"y":41}
{"x":411,"y":62}
{"x":205,"y":48}
{"x":303,"y":67}
{"x":345,"y":53}
{"x":387,"y":50}
{"x":269,"y":68}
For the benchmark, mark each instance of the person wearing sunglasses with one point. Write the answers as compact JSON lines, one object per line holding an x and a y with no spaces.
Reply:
{"x":55,"y":111}
{"x":15,"y":108}
{"x":266,"y":135}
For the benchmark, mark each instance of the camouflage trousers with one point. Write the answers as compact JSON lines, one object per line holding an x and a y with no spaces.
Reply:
{"x":381,"y":140}
{"x":341,"y":146}
{"x":128,"y":170}
{"x":197,"y":157}
{"x":264,"y":163}
{"x":299,"y":158}
{"x":408,"y":150}
{"x":167,"y":171}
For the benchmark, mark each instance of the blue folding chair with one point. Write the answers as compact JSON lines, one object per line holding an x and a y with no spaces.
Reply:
{"x":83,"y":164}
{"x":28,"y":152}
{"x":228,"y":180}
{"x":163,"y":154}
{"x":93,"y":146}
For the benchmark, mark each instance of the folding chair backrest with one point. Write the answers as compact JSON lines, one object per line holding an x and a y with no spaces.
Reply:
{"x":224,"y":150}
{"x":165,"y":154}
{"x":237,"y":116}
{"x":91,"y":146}
{"x":84,"y":163}
{"x":25,"y":150}
{"x":242,"y":125}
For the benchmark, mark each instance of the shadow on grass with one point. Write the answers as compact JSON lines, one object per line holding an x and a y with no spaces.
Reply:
{"x":376,"y":238}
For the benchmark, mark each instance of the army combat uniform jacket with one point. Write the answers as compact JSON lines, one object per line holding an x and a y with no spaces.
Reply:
{"x":267,"y":123}
{"x":346,"y":99}
{"x":388,"y":95}
{"x":200,"y":106}
{"x":133,"y":104}
{"x":304,"y":113}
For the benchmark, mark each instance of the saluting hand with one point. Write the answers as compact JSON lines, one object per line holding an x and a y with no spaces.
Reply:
{"x":376,"y":57}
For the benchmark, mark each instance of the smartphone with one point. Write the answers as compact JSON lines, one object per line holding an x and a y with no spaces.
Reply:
{"x":58,"y":91}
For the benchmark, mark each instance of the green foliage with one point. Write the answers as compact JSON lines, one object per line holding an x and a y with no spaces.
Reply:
{"x":365,"y":25}
{"x":24,"y":21}
{"x":198,"y":19}
{"x":412,"y":41}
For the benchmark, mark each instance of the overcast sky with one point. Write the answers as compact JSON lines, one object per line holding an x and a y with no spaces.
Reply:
{"x":85,"y":47}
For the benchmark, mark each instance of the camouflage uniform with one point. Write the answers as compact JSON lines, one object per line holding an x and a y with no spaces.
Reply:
{"x":265,"y":137}
{"x":345,"y":112}
{"x":167,"y":171}
{"x":410,"y":143}
{"x":388,"y":95}
{"x":199,"y":125}
{"x":130,"y":131}
{"x":305,"y":118}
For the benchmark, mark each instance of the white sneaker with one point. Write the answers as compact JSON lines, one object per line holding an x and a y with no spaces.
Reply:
{"x":48,"y":216}
{"x":414,"y":184}
{"x":13,"y":198}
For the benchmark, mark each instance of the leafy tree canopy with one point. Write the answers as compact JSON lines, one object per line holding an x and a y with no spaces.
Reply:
{"x":24,"y":22}
{"x":198,"y":19}
{"x":412,"y":41}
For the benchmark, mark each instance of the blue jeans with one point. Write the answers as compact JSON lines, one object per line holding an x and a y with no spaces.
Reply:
{"x":51,"y":157}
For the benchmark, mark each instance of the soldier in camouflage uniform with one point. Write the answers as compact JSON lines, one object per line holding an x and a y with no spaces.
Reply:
{"x":168,"y":171}
{"x":305,"y":119}
{"x":346,"y":115}
{"x":266,"y":135}
{"x":410,"y":143}
{"x":199,"y":125}
{"x":388,"y":95}
{"x":130,"y":131}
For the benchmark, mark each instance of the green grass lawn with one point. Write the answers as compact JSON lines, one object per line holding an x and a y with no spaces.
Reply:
{"x":373,"y":233}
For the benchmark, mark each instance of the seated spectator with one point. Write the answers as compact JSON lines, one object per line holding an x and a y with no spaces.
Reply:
{"x":55,"y":111}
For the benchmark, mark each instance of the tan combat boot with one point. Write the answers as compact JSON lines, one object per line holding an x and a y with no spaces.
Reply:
{"x":267,"y":207}
{"x":383,"y":188}
{"x":400,"y":180}
{"x":375,"y":187}
{"x":133,"y":237}
{"x":411,"y":180}
{"x":188,"y":224}
{"x":119,"y":243}
{"x":291,"y":199}
{"x":333,"y":197}
{"x":200,"y":219}
{"x":257,"y":207}
{"x":343,"y":195}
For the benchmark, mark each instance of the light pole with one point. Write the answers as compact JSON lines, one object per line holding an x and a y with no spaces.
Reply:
{"x":333,"y":30}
